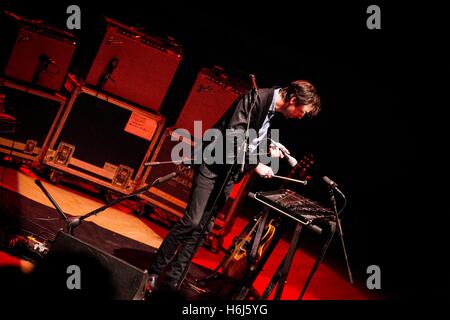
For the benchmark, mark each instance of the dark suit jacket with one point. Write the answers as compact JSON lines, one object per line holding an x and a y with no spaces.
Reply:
{"x":236,"y":118}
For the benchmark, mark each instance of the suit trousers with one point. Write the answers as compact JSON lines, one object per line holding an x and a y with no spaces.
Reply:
{"x":180,"y":244}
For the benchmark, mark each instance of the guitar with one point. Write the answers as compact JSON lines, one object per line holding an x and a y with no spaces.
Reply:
{"x":235,"y":265}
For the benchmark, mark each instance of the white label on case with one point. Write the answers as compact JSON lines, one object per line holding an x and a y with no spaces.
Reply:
{"x":142,"y":126}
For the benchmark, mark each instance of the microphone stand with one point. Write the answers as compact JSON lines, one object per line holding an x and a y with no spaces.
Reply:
{"x":204,"y":222}
{"x":340,"y":232}
{"x":328,"y":241}
{"x":73,"y":222}
{"x":245,"y":143}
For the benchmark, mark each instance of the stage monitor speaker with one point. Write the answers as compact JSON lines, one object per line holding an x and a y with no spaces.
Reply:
{"x":100,"y":275}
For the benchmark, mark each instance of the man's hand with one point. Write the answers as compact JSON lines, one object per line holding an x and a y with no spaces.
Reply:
{"x":275,"y":151}
{"x":264,"y":171}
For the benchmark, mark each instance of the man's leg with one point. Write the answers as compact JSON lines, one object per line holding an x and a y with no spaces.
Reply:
{"x":202,"y":186}
{"x":192,"y":242}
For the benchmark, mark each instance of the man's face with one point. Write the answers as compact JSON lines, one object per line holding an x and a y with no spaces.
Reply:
{"x":294,"y":110}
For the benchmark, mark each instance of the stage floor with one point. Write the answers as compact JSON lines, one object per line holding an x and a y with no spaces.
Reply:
{"x":119,"y":232}
{"x":76,"y":203}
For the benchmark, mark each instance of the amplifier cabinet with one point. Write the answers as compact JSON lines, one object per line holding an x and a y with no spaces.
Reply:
{"x":172,"y":196}
{"x":133,"y":66}
{"x":103,"y":140}
{"x":36,"y":113}
{"x":212,"y":94}
{"x":40,"y":55}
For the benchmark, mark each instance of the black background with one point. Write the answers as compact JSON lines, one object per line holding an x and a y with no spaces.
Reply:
{"x":369,"y":137}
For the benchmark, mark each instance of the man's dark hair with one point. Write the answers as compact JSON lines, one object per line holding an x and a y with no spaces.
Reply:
{"x":304,"y":93}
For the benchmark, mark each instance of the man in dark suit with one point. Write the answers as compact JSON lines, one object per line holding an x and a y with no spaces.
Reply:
{"x":212,"y":182}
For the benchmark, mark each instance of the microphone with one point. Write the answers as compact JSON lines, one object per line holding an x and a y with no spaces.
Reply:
{"x":253,"y":80}
{"x":154,"y":163}
{"x":42,"y":67}
{"x":45,"y":59}
{"x":291,"y":160}
{"x":164,"y":178}
{"x":333,"y":185}
{"x":281,"y":147}
{"x":112,"y":64}
{"x":51,"y":61}
{"x":330,"y":182}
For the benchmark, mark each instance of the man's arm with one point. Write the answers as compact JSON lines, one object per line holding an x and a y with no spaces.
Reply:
{"x":239,"y":122}
{"x":240,"y":117}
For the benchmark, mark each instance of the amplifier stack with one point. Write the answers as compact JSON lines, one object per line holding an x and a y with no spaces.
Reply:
{"x":102,"y":126}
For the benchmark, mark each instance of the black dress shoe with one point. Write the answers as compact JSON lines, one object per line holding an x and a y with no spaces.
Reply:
{"x":168,"y":284}
{"x":168,"y":291}
{"x":151,"y":284}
